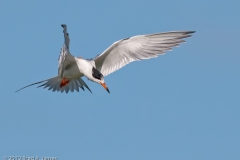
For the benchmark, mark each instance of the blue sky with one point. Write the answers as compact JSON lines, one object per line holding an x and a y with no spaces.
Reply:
{"x":182,"y":105}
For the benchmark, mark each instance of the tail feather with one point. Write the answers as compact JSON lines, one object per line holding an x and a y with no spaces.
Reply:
{"x":54,"y":85}
{"x":61,"y":89}
{"x":79,"y":84}
{"x":66,"y":89}
{"x":54,"y":88}
{"x":71,"y":87}
{"x":32,"y":85}
{"x":85,"y":85}
{"x":75,"y":86}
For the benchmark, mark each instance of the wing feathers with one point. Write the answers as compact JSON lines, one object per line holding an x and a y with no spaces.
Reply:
{"x":136,"y":48}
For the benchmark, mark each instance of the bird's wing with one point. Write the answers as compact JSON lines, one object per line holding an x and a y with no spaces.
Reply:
{"x":136,"y":48}
{"x":65,"y":56}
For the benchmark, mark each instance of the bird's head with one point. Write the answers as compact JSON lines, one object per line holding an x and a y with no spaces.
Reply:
{"x":98,"y":77}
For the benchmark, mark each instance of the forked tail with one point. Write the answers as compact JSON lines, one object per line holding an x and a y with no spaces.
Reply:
{"x":55,"y":84}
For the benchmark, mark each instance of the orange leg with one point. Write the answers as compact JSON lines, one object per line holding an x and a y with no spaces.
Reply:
{"x":64,"y":82}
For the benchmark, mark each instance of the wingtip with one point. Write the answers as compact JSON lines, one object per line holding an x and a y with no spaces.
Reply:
{"x":63,"y":25}
{"x":191,"y":32}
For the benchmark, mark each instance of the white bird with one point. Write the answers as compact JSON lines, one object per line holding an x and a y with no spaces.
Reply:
{"x":119,"y":54}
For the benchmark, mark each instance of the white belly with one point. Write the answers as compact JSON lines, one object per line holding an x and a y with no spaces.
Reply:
{"x":85,"y":67}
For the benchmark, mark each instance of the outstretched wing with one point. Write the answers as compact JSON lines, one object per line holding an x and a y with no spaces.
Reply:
{"x":65,"y":57}
{"x":136,"y":48}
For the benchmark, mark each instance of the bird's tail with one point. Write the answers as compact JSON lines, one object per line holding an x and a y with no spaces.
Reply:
{"x":55,"y":84}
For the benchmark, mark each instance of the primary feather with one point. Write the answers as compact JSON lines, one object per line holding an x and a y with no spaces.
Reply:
{"x":136,"y":48}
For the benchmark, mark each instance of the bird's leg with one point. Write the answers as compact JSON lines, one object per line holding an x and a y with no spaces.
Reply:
{"x":64,"y":82}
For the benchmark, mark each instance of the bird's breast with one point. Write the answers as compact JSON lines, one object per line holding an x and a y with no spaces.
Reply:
{"x":85,"y":67}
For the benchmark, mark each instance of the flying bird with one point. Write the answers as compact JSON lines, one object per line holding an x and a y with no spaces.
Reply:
{"x":71,"y":69}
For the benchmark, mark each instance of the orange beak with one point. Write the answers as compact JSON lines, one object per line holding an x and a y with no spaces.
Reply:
{"x":105,"y":86}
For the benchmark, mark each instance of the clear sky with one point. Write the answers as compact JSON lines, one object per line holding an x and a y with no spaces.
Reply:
{"x":182,"y":105}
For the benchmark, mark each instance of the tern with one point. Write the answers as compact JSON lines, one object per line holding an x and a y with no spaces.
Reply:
{"x":119,"y":54}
